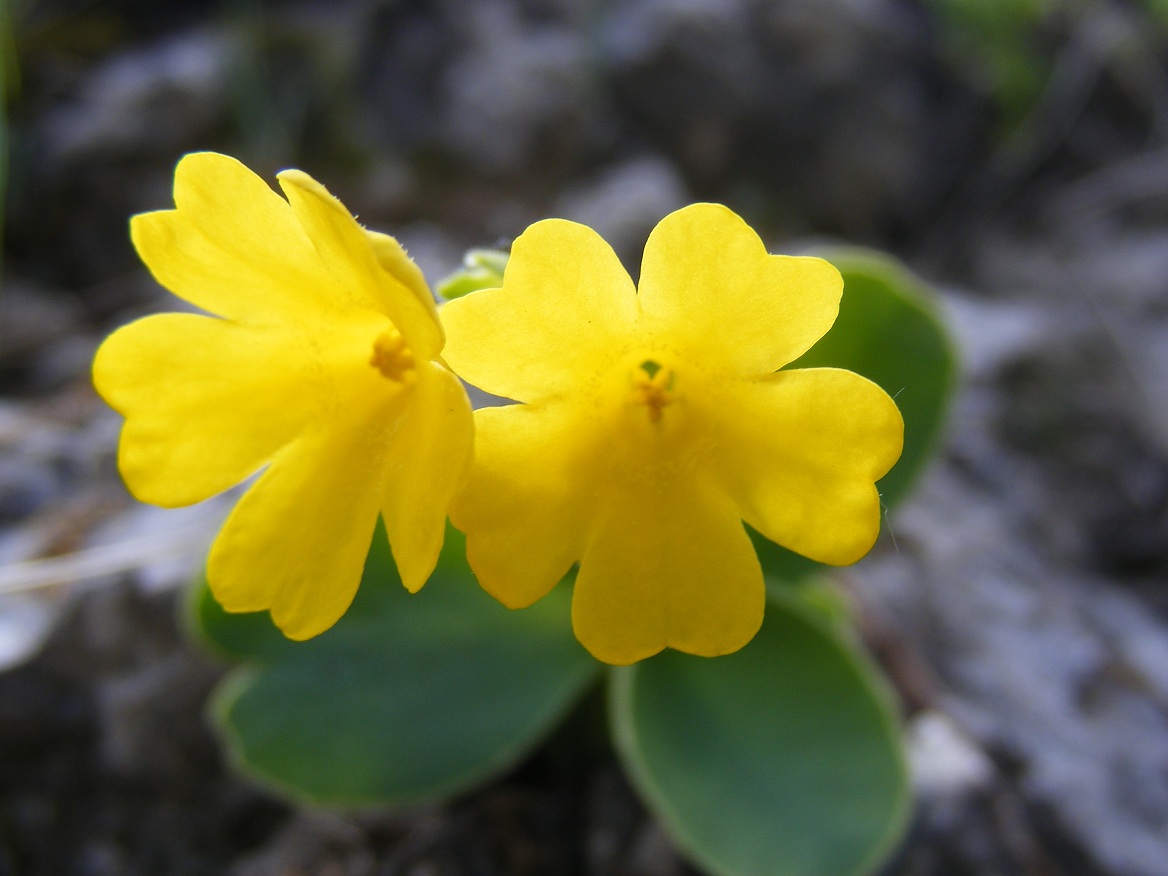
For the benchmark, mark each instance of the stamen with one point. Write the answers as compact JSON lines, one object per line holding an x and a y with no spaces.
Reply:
{"x":653,"y":388}
{"x":392,"y":356}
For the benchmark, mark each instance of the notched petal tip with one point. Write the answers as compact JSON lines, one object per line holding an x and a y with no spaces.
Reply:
{"x":619,"y":656}
{"x":357,"y":261}
{"x":204,"y":172}
{"x":484,"y":564}
{"x":294,"y":177}
{"x":671,"y":570}
{"x":150,"y":225}
{"x":143,"y":481}
{"x":396,"y":262}
{"x":301,"y":629}
{"x":293,"y":622}
{"x":205,"y":160}
{"x":709,"y":214}
{"x":427,"y":464}
{"x":565,"y":301}
{"x":416,"y":550}
{"x":301,"y":190}
{"x":633,"y":649}
{"x":708,"y":281}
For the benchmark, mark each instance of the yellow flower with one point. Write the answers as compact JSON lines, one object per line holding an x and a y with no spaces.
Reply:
{"x":323,"y":371}
{"x":653,"y":422}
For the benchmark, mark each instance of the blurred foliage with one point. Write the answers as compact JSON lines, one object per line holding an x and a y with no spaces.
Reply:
{"x":481,"y":269}
{"x":1008,"y":49}
{"x":998,"y":45}
{"x":266,"y":128}
{"x":292,"y":93}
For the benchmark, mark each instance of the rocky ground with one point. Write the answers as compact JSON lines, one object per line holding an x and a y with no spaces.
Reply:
{"x":1022,"y":611}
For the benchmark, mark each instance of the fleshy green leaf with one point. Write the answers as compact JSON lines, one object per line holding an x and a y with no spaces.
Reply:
{"x":888,"y":330}
{"x":408,"y":698}
{"x":782,"y":759}
{"x":481,"y":269}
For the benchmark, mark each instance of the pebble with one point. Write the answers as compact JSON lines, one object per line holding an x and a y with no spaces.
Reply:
{"x":945,"y":762}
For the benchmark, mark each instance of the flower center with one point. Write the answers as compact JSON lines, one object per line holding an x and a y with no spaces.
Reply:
{"x":392,"y":356}
{"x":653,"y":388}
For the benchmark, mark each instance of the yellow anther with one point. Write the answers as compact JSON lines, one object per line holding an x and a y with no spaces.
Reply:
{"x":392,"y":356}
{"x":653,"y":388}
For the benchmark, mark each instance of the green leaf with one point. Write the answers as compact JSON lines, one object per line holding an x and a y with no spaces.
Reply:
{"x":782,"y":759}
{"x":409,"y":698}
{"x":481,"y":269}
{"x":888,"y":330}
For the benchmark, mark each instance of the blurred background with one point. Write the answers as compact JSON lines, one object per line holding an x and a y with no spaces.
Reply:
{"x":1012,"y":152}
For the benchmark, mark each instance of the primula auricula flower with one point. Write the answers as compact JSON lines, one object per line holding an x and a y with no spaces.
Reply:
{"x":320,"y":366}
{"x":652,"y":422}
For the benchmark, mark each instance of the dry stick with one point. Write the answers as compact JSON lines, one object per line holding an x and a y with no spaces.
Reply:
{"x":112,"y":559}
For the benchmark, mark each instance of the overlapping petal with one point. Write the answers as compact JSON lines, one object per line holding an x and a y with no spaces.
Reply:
{"x":671,"y":567}
{"x":427,"y":464}
{"x":565,"y":309}
{"x":396,"y":262}
{"x":233,"y":247}
{"x":801,"y":455}
{"x":709,"y":285}
{"x":348,"y":254}
{"x":525,"y":509}
{"x":296,"y":542}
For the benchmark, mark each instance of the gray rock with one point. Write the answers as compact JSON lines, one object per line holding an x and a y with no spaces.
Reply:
{"x":513,"y":89}
{"x":31,"y":317}
{"x":992,"y":335}
{"x":25,"y":623}
{"x":1032,"y":667}
{"x":312,"y":842}
{"x":26,"y":488}
{"x":161,"y":97}
{"x":139,"y":712}
{"x":823,"y":108}
{"x":945,"y":762}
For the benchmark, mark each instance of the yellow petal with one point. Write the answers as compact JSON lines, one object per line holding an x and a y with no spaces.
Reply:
{"x":396,"y":262}
{"x":800,"y":453}
{"x":564,"y":311}
{"x":671,"y":567}
{"x":427,"y":465}
{"x":524,"y":509}
{"x":296,"y":542}
{"x":708,"y":284}
{"x":347,"y":253}
{"x":233,"y":246}
{"x":207,"y":402}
